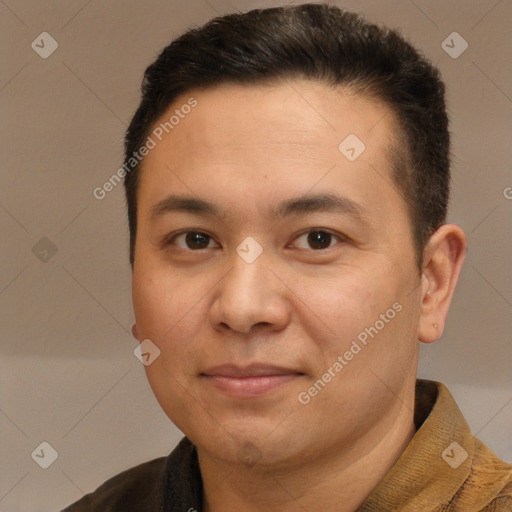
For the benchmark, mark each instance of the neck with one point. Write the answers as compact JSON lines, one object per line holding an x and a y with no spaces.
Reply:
{"x":337,"y":482}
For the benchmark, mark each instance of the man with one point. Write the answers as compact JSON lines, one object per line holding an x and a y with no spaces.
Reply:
{"x":287,"y":181}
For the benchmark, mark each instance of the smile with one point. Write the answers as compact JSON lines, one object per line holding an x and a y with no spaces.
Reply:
{"x":253,"y":381}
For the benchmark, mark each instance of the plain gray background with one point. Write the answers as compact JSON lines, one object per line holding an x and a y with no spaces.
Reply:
{"x":68,"y":373}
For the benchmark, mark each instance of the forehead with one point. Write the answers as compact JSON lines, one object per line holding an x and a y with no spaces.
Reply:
{"x":269,"y":139}
{"x":303,"y":111}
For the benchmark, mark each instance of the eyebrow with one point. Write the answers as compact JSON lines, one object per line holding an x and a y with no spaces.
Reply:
{"x":310,"y":203}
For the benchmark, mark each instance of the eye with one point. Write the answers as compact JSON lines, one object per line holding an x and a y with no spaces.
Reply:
{"x":193,"y":240}
{"x":318,"y":239}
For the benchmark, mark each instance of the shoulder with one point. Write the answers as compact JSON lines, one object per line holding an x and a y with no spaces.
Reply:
{"x":503,"y":501}
{"x":136,"y":488}
{"x":491,"y":473}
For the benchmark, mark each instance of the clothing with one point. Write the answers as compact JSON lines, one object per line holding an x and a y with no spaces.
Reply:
{"x":431,"y":475}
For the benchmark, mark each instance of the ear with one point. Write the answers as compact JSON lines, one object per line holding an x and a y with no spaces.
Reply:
{"x":443,"y":259}
{"x":134,"y":331}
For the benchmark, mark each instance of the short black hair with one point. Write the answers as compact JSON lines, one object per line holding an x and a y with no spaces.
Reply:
{"x":323,"y":43}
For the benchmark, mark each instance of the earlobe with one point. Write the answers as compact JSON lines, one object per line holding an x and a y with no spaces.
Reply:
{"x":444,"y":256}
{"x":134,"y":331}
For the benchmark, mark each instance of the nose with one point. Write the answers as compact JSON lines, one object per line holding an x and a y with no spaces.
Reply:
{"x":249,"y":297}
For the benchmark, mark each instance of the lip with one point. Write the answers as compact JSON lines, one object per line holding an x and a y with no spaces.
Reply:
{"x":250,"y":381}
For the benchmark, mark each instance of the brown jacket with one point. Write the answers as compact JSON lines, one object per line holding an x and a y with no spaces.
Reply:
{"x":443,"y":469}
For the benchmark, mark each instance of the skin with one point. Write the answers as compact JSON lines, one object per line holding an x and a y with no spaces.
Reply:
{"x":246,"y":149}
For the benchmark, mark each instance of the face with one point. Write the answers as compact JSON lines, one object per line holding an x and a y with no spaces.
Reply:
{"x":276,"y":273}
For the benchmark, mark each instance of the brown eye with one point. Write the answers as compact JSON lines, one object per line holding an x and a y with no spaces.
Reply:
{"x":317,"y":239}
{"x":194,"y":240}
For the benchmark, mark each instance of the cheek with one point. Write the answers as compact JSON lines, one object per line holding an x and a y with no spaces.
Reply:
{"x":168,"y":310}
{"x":340,"y":304}
{"x":356,"y":306}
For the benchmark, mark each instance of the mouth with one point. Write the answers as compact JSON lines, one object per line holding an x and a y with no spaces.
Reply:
{"x":251,"y":381}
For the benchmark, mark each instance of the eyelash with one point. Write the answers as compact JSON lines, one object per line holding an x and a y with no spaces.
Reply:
{"x":171,"y":238}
